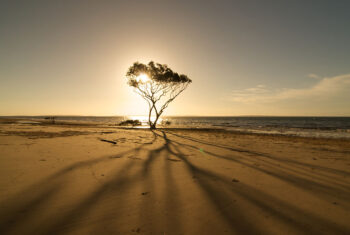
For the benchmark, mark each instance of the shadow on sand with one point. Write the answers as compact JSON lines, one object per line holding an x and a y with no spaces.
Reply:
{"x":219,"y":190}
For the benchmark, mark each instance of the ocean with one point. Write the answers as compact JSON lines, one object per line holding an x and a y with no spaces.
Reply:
{"x":327,"y":127}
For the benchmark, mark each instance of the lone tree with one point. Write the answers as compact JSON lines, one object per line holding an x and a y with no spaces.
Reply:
{"x":158,"y":85}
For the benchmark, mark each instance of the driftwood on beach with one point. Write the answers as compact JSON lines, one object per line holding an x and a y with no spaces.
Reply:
{"x":109,"y":141}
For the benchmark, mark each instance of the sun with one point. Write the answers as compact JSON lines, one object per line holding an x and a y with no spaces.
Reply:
{"x":143,"y":78}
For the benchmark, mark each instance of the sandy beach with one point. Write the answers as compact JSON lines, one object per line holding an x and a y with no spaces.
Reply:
{"x":85,"y":179}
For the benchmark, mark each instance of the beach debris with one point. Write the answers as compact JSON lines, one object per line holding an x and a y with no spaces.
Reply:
{"x":109,"y":141}
{"x":107,"y":132}
{"x":144,"y":193}
{"x":201,"y":150}
{"x":235,"y":180}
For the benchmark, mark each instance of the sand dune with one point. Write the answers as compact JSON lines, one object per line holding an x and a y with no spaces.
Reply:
{"x":63,"y":179}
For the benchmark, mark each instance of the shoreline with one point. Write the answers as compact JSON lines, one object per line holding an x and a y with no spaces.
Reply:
{"x":42,"y":122}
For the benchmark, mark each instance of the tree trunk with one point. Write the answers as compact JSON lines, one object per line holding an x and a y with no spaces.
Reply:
{"x":155,"y":122}
{"x":149,"y":117}
{"x":151,"y":125}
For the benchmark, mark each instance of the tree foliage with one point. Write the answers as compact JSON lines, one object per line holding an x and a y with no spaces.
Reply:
{"x":161,"y":88}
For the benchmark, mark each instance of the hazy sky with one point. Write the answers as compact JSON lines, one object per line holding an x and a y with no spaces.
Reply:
{"x":244,"y":57}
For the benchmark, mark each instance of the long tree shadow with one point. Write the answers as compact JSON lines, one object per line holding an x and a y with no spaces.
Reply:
{"x":219,"y":189}
{"x":254,"y":153}
{"x":40,"y":194}
{"x":291,"y":171}
{"x":36,"y":197}
{"x":288,"y":214}
{"x":234,"y":218}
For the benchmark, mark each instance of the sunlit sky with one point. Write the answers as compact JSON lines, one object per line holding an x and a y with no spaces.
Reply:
{"x":244,"y":57}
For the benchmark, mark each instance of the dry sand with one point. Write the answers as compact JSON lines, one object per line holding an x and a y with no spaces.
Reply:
{"x":62,"y":179}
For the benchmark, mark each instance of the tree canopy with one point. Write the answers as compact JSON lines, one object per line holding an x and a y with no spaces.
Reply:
{"x":157,"y":84}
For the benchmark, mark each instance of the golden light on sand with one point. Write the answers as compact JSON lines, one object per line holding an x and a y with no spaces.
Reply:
{"x":143,"y":78}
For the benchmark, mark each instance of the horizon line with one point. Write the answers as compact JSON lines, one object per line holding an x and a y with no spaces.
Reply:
{"x":41,"y":115}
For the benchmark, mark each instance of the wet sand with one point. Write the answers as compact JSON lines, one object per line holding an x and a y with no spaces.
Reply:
{"x":83,"y":179}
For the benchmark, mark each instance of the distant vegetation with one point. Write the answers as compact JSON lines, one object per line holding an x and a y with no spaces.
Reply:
{"x":130,"y":123}
{"x":52,"y":119}
{"x":166,"y":123}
